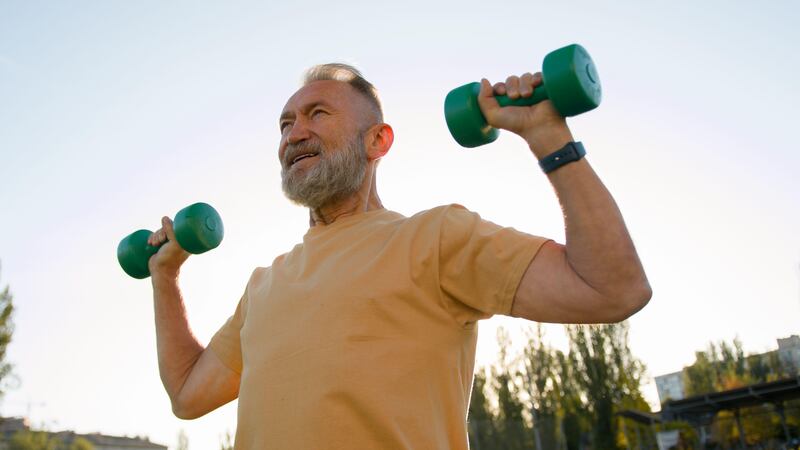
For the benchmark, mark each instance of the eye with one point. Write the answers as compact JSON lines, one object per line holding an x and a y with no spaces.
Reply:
{"x":285,"y":124}
{"x":318,"y":112}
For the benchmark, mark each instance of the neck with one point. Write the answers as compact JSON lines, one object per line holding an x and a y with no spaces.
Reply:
{"x":363,"y":200}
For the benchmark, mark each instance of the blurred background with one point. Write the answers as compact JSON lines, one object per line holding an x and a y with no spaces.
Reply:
{"x":113,"y":114}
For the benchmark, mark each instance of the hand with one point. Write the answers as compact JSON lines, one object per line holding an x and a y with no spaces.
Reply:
{"x":170,"y":257}
{"x":540,"y":125}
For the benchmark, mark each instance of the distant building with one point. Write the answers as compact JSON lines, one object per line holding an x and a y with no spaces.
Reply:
{"x":670,"y":386}
{"x":11,"y":425}
{"x":789,"y":352}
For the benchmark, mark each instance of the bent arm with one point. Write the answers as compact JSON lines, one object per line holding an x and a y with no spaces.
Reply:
{"x":195,"y":379}
{"x":597,"y":276}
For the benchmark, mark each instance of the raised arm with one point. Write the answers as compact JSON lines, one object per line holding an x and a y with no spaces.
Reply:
{"x":195,"y":379}
{"x":597,"y":276}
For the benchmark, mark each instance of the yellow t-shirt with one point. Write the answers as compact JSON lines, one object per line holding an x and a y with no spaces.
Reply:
{"x":363,"y":336}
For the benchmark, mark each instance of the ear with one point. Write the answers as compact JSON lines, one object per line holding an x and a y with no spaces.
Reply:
{"x":378,"y":141}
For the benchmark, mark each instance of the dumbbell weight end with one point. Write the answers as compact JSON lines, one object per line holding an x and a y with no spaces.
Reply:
{"x":133,"y":254}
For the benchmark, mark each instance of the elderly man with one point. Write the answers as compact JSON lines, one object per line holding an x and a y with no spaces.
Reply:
{"x":363,"y":336}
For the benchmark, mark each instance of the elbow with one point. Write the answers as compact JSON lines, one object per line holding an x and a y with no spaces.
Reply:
{"x":183,"y":411}
{"x":180,"y":411}
{"x":630,"y":300}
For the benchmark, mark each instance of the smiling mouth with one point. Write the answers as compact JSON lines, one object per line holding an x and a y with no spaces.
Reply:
{"x":299,"y":158}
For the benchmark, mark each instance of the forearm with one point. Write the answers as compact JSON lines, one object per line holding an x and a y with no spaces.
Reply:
{"x":178,"y":349}
{"x":598,"y":245}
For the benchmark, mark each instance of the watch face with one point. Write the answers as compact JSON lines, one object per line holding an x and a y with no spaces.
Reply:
{"x":573,"y":151}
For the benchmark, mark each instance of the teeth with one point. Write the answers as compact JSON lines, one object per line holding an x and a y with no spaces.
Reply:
{"x":305,"y":155}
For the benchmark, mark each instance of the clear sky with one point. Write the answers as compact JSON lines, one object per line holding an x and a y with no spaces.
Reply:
{"x":113,"y":114}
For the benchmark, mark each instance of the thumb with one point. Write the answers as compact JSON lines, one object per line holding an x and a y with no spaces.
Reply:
{"x":166,"y":224}
{"x":486,"y":100}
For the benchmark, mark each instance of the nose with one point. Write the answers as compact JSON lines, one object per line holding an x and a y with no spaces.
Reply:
{"x":298,"y":131}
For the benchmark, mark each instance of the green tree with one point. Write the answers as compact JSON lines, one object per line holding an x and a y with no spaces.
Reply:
{"x":483,"y":433}
{"x":34,"y":440}
{"x":547,"y":399}
{"x":700,"y":377}
{"x":6,"y":331}
{"x":609,"y":378}
{"x":722,"y":366}
{"x":81,"y":444}
{"x":574,"y":417}
{"x":542,"y":384}
{"x":513,"y":430}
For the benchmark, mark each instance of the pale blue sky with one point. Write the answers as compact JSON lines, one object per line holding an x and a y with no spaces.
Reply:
{"x":115,"y":113}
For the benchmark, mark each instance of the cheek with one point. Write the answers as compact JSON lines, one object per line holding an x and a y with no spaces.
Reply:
{"x":281,"y":150}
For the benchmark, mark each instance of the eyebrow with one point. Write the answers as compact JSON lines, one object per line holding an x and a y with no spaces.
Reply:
{"x":306,"y":107}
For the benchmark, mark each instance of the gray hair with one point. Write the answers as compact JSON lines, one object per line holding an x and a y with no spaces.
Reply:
{"x":349,"y":75}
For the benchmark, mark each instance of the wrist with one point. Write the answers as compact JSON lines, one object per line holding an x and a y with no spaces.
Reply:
{"x":163,"y":275}
{"x":571,"y":152}
{"x":543,"y":143}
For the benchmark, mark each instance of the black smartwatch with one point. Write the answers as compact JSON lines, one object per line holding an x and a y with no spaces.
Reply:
{"x":571,"y":152}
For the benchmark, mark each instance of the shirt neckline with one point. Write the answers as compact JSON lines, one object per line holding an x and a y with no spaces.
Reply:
{"x":344,"y":221}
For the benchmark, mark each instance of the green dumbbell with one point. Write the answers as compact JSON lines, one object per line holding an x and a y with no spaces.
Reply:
{"x":198,"y":229}
{"x":569,"y":80}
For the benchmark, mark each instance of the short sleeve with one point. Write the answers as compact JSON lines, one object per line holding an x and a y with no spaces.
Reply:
{"x":226,"y":342}
{"x":481,"y":264}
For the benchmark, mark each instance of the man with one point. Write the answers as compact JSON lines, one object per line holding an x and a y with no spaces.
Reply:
{"x":363,"y":336}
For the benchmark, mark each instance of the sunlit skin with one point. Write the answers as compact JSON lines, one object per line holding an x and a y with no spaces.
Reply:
{"x":595,"y":277}
{"x":330,"y":113}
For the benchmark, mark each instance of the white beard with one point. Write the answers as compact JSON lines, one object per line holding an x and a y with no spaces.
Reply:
{"x":336,"y":175}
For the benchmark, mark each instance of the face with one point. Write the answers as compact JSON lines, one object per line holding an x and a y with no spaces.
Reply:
{"x":322,"y":151}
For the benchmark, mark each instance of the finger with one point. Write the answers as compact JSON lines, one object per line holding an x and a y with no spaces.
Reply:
{"x":169,"y":230}
{"x":499,"y":89}
{"x":537,"y":79}
{"x":512,"y":87}
{"x":486,"y":100}
{"x":526,"y":84}
{"x":156,"y":238}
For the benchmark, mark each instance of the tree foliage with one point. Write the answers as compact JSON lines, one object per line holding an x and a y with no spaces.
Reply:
{"x":6,"y":332}
{"x":482,"y":426}
{"x":723,"y":366}
{"x":547,"y":399}
{"x":609,"y":378}
{"x":81,"y":444}
{"x":34,"y":440}
{"x":43,"y":440}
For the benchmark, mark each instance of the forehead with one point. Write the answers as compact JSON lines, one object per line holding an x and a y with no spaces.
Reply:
{"x":336,"y":94}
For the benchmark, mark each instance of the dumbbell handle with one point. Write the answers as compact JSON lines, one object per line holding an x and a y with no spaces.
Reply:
{"x":539,"y":94}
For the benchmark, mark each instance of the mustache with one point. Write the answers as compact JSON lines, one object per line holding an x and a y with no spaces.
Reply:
{"x":295,"y":150}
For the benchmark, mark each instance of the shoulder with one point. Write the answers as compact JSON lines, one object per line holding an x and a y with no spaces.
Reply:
{"x":444,"y":212}
{"x":257,"y":278}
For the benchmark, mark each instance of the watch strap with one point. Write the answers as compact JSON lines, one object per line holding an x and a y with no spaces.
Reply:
{"x":571,"y":152}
